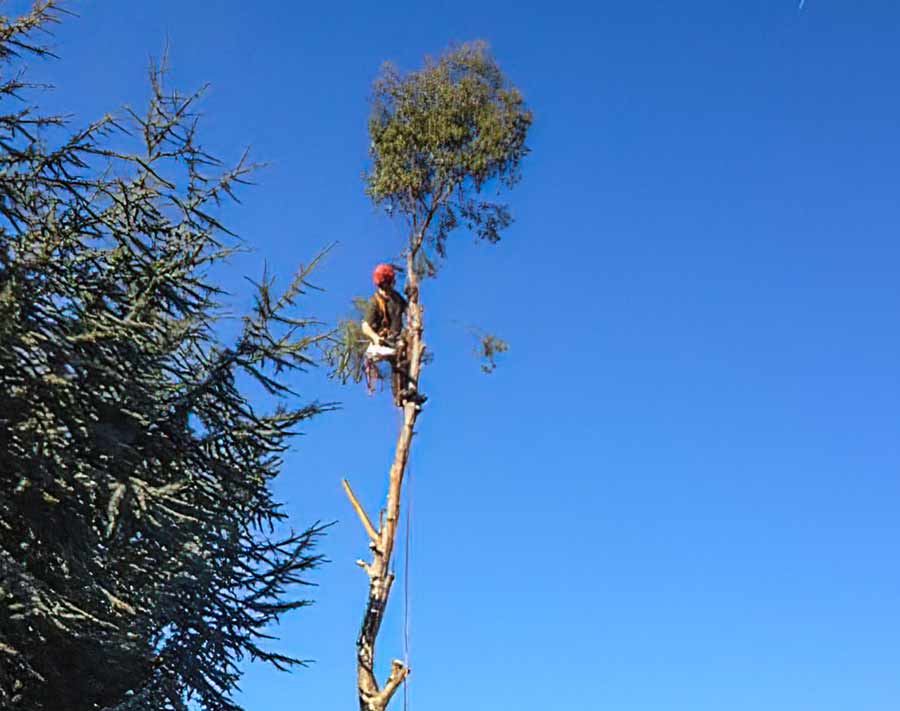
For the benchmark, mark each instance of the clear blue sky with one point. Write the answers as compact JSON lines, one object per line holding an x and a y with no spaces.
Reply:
{"x":680,"y":490}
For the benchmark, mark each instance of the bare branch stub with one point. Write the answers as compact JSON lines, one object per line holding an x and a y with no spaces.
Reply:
{"x":360,"y":512}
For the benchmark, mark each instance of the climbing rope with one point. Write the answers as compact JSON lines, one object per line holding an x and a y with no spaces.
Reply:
{"x":408,"y":538}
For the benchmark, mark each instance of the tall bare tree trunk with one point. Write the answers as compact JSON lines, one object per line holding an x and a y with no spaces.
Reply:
{"x":372,"y":696}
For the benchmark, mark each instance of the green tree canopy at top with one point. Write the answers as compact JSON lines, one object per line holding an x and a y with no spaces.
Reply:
{"x":439,"y":135}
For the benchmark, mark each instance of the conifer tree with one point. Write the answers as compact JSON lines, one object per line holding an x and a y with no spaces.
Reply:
{"x":142,"y":554}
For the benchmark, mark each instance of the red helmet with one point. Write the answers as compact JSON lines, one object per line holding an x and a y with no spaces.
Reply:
{"x":383,"y":274}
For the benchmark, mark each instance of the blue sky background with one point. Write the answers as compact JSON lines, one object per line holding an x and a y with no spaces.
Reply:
{"x":680,"y":490}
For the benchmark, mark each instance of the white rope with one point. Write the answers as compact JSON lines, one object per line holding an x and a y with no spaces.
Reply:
{"x":406,"y":584}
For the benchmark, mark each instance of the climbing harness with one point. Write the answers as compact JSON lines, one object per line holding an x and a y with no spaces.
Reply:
{"x":373,"y":356}
{"x":382,"y":307}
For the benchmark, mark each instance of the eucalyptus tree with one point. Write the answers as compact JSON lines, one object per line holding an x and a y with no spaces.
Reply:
{"x":443,"y":138}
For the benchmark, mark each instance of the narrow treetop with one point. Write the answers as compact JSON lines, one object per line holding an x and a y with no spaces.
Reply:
{"x":439,"y":135}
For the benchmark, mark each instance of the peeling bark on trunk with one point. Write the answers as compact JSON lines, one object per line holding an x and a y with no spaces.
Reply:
{"x":372,"y":696}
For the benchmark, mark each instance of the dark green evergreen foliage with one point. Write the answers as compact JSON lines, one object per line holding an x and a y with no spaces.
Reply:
{"x":345,"y":352}
{"x":139,"y":559}
{"x":440,"y":137}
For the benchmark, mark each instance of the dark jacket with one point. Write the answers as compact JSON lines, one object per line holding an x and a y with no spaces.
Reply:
{"x":385,"y":313}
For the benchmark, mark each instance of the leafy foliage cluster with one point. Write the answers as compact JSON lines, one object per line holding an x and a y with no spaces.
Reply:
{"x":439,"y":136}
{"x":140,"y":552}
{"x":489,"y":347}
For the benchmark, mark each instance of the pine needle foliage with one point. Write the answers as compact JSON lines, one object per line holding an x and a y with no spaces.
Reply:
{"x":141,"y":551}
{"x":345,"y":351}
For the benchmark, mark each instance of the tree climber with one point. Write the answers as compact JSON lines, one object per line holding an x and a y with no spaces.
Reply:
{"x":383,"y":326}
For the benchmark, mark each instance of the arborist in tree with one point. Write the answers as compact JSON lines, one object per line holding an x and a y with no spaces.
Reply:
{"x":383,"y":326}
